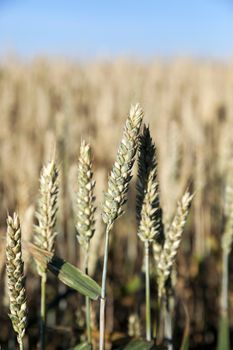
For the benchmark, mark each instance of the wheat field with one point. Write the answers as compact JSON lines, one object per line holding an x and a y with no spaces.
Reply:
{"x":74,"y":155}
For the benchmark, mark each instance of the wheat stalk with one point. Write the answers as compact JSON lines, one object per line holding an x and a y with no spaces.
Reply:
{"x":85,"y":209}
{"x":45,"y":235}
{"x":116,"y":195}
{"x":226,"y":243}
{"x":227,"y":237}
{"x":147,"y":207}
{"x":15,"y":277}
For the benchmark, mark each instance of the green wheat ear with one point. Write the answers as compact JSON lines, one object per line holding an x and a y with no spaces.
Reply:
{"x":120,"y":176}
{"x":116,"y":195}
{"x":15,"y":277}
{"x":148,"y":209}
{"x":85,"y":208}
{"x":172,"y":241}
{"x":45,"y":235}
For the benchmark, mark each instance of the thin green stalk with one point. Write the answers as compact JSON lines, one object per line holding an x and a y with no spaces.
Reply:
{"x":88,"y":320}
{"x":224,"y":293}
{"x":88,"y":304}
{"x":103,"y":291}
{"x":156,"y":321}
{"x":20,"y":344}
{"x":168,"y":323}
{"x":224,"y":336}
{"x":43,"y":311}
{"x":164,"y":321}
{"x":147,"y":276}
{"x":160,"y":320}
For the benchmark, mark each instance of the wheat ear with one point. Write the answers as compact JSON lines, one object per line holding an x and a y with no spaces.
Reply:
{"x":116,"y":195}
{"x":85,"y":221}
{"x":120,"y":176}
{"x":172,"y":241}
{"x":47,"y":208}
{"x":147,"y":208}
{"x":15,"y":277}
{"x":147,"y":201}
{"x":85,"y":208}
{"x":44,"y":231}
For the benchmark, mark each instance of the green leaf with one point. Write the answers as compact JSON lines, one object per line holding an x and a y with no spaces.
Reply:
{"x":83,"y":346}
{"x":74,"y":278}
{"x":223,"y":334}
{"x":136,"y":344}
{"x":66,"y":272}
{"x":185,"y":342}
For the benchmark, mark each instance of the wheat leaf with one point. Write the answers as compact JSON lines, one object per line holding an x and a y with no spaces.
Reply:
{"x":83,"y":346}
{"x":136,"y":344}
{"x":66,"y":272}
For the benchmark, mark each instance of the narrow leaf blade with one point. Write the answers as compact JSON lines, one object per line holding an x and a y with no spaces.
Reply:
{"x":223,"y":335}
{"x":185,"y":338}
{"x":83,"y":346}
{"x":136,"y":344}
{"x":74,"y":278}
{"x":67,"y":273}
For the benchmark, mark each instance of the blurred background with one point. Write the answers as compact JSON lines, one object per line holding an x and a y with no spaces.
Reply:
{"x":71,"y":69}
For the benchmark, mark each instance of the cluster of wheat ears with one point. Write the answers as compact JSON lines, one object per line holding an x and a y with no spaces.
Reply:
{"x":161,"y":242}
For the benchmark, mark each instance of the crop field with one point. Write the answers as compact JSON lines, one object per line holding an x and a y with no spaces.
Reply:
{"x":116,"y":205}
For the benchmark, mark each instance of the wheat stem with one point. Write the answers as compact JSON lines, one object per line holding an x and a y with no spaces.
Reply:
{"x":43,"y":311}
{"x":116,"y":195}
{"x":168,"y":323}
{"x":85,"y":210}
{"x":87,"y":300}
{"x":45,"y":236}
{"x":20,"y":344}
{"x":149,"y":215}
{"x":224,"y":292}
{"x":103,"y":290}
{"x":147,"y":283}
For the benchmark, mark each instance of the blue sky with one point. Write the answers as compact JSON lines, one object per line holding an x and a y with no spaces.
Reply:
{"x":101,"y":28}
